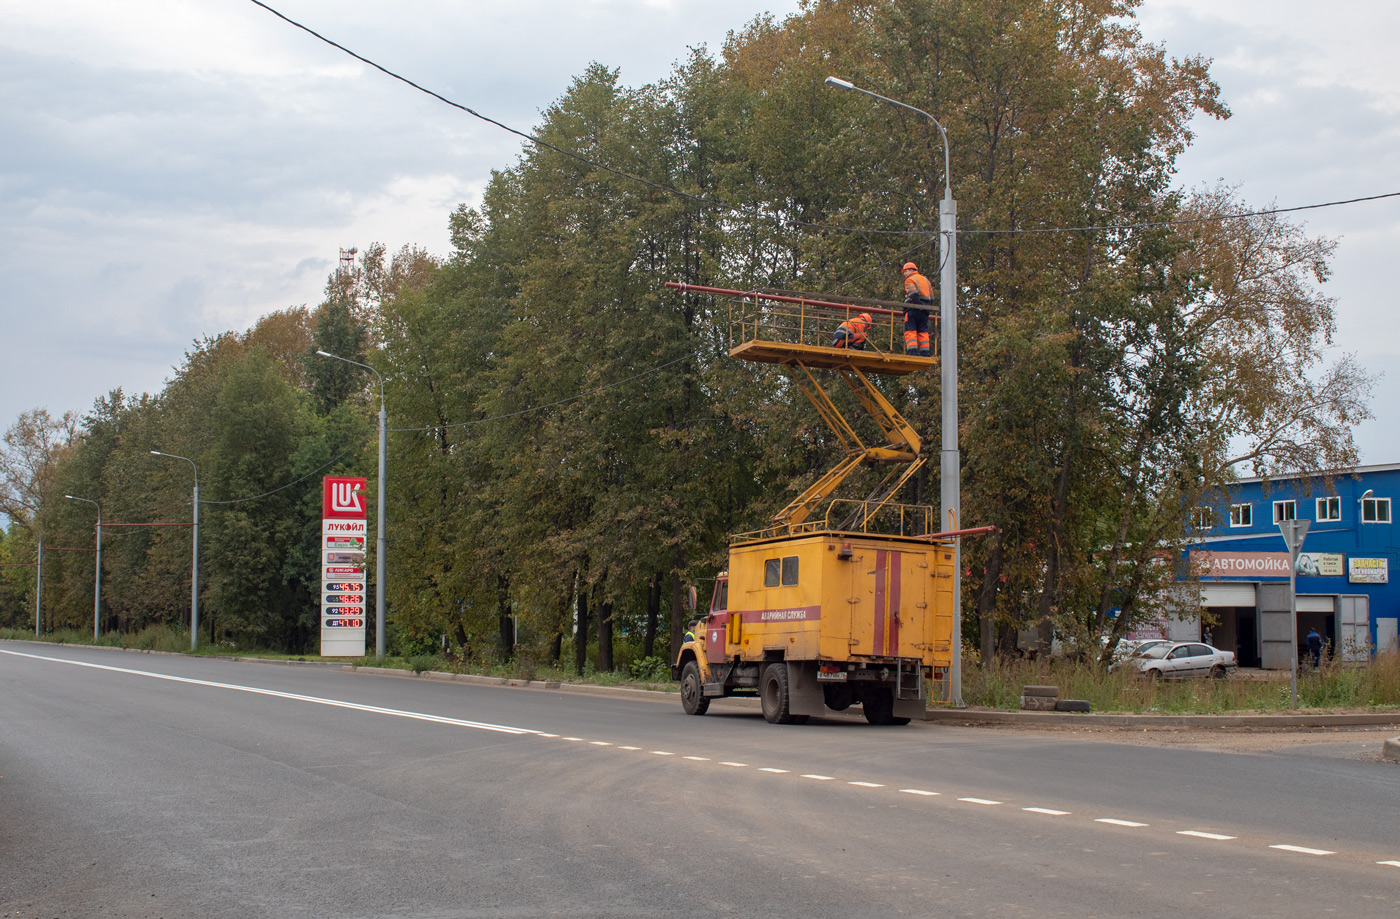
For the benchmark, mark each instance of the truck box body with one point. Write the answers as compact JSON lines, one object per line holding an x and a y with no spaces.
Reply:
{"x":836,"y":597}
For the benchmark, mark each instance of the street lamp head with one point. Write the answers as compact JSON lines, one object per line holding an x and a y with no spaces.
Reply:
{"x":840,"y":83}
{"x":324,"y":353}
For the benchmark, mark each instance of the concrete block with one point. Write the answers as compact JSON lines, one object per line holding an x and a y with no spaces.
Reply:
{"x":1391,"y":750}
{"x":1037,"y":704}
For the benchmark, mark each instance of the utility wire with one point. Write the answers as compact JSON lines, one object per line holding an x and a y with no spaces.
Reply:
{"x":547,"y":145}
{"x":802,"y":223}
{"x":335,"y":459}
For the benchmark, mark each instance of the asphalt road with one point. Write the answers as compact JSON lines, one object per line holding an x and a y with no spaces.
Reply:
{"x":148,"y":786}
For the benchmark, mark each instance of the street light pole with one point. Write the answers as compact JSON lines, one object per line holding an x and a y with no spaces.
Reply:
{"x":97,"y":577}
{"x":380,"y":545}
{"x":950,"y":468}
{"x":194,"y":567}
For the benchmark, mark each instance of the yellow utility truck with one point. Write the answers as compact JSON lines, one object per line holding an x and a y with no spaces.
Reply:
{"x":836,"y":602}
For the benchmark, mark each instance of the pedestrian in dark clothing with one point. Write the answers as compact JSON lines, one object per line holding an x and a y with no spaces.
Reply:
{"x":1314,"y":647}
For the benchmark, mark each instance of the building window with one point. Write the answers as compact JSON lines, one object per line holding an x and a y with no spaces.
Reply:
{"x":1241,"y":515}
{"x":1202,"y":518}
{"x":1375,"y":510}
{"x":1285,"y":510}
{"x":780,"y":571}
{"x":1329,"y":508}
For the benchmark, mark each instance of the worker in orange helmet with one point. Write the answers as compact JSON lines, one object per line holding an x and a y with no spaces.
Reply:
{"x":851,"y":333}
{"x":918,"y":297}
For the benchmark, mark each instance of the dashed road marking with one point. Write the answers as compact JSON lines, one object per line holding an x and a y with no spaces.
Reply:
{"x":1204,"y":835}
{"x":738,"y":765}
{"x":600,"y":743}
{"x":771,"y":769}
{"x":1391,"y":864}
{"x":1046,"y":810}
{"x":918,"y":791}
{"x":698,"y":759}
{"x":866,"y":784}
{"x":629,"y":748}
{"x":1304,"y":850}
{"x":1116,"y":822}
{"x":978,"y":801}
{"x":661,"y":753}
{"x":548,"y":735}
{"x":574,"y":739}
{"x":819,"y":778}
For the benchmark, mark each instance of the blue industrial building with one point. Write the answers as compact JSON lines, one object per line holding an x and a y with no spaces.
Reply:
{"x":1343,"y":577}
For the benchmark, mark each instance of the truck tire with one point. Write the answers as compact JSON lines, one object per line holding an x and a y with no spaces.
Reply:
{"x":879,"y":707}
{"x":774,"y":696}
{"x":693,"y":698}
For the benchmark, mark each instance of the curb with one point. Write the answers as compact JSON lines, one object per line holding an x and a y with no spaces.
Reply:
{"x":985,"y":716}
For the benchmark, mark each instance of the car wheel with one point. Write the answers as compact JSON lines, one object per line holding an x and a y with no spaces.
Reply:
{"x":1152,"y":675}
{"x":693,"y":698}
{"x":1217,"y":672}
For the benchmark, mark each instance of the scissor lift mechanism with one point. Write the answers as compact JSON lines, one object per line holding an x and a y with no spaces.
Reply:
{"x":789,"y":329}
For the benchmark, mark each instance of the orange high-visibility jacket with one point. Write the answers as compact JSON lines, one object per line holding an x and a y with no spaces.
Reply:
{"x":917,"y":291}
{"x":855,"y":333}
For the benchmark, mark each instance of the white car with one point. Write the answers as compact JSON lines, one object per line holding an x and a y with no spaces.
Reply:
{"x":1183,"y":660}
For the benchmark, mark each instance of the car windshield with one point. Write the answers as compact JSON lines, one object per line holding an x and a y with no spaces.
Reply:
{"x":1156,"y":651}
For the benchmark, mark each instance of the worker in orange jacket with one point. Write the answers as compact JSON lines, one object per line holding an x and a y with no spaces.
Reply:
{"x":851,"y":333}
{"x":918,"y":297}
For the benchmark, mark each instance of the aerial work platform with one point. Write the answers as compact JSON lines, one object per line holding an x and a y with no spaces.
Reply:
{"x":785,"y":327}
{"x":794,"y":331}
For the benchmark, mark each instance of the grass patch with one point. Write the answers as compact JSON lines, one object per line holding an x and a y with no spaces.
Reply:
{"x":1333,"y":685}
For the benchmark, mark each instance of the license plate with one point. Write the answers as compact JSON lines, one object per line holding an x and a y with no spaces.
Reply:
{"x":836,"y":675}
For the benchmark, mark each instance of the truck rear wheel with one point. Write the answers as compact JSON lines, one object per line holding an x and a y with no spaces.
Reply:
{"x":693,"y":698}
{"x":879,"y":708}
{"x":774,"y":695}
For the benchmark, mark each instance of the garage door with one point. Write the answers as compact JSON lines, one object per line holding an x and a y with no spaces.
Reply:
{"x":1220,"y":594}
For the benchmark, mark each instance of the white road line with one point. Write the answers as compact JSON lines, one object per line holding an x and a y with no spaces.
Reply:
{"x":1304,"y":850}
{"x":1046,"y":810}
{"x":771,"y":769}
{"x":1118,"y":822}
{"x":866,"y":784}
{"x":662,"y":753}
{"x":978,"y":801}
{"x":1391,"y":864}
{"x":548,"y":735}
{"x":1203,"y":835}
{"x":918,"y":791}
{"x":819,"y":778}
{"x":739,"y":765}
{"x":600,"y":743}
{"x":629,"y":748}
{"x":574,"y":739}
{"x":295,"y":697}
{"x":699,"y":759}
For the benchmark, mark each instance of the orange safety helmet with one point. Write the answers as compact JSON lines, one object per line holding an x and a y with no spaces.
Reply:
{"x":865,"y":318}
{"x":909,"y":266}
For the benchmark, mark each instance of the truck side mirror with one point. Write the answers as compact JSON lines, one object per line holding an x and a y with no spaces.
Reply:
{"x":690,"y":598}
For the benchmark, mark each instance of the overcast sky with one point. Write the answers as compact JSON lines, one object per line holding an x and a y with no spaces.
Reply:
{"x":171,"y":169}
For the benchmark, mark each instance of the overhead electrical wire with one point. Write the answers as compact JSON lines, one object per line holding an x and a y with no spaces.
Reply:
{"x":803,"y":223}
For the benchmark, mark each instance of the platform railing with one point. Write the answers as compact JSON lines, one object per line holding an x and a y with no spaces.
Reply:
{"x":851,"y":516}
{"x":760,"y":318}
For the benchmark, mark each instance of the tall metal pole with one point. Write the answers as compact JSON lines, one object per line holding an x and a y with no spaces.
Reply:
{"x":950,"y":470}
{"x":1294,"y":532}
{"x":38,"y":586}
{"x":97,"y":576}
{"x":194,"y":567}
{"x":950,"y":466}
{"x":381,"y":544}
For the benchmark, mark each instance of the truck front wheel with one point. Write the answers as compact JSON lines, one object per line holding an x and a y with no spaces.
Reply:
{"x":774,"y":696}
{"x":693,"y":698}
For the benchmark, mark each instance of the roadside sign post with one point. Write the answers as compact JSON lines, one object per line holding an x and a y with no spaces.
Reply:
{"x":343,"y":533}
{"x":1294,"y":532}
